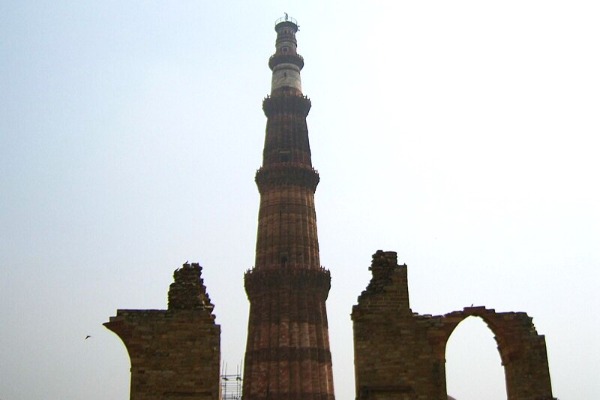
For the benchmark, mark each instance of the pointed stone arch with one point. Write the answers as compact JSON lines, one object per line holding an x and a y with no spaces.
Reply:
{"x":473,"y":366}
{"x":522,"y":350}
{"x":400,"y":355}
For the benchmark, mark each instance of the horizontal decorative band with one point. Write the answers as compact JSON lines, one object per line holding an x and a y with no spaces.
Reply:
{"x":259,"y":281}
{"x":277,"y":59}
{"x":275,"y":394}
{"x":290,"y":354}
{"x":290,"y":104}
{"x":286,"y":174}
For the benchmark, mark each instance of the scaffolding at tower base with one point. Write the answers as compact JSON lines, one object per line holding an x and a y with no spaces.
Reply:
{"x":231,"y":385}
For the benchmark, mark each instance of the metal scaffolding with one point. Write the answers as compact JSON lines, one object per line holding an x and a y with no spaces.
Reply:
{"x":231,"y":384}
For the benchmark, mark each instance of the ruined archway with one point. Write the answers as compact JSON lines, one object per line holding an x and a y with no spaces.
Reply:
{"x":473,"y":367}
{"x":522,"y":350}
{"x":400,"y":355}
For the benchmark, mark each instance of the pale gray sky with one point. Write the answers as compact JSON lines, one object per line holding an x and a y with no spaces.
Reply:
{"x":463,"y":135}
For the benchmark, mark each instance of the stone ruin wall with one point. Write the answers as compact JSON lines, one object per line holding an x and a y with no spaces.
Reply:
{"x":400,"y":355}
{"x":174,"y":353}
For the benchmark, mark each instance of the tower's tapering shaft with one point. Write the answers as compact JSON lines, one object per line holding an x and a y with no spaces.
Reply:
{"x":287,"y":353}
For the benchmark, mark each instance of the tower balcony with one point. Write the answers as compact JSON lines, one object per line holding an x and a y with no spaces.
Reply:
{"x":287,"y":19}
{"x":288,"y":103}
{"x":277,"y":59}
{"x":268,"y":279}
{"x":287,"y":174}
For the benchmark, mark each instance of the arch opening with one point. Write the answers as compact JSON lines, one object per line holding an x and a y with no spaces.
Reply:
{"x":473,"y":365}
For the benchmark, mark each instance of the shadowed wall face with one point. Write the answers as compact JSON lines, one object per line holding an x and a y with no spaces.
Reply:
{"x":401,"y":355}
{"x":287,"y":352}
{"x":174,"y":353}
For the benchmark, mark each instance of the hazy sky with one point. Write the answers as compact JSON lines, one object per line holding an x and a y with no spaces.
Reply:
{"x":461,"y":134}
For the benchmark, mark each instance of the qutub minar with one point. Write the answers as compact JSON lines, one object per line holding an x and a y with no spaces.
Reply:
{"x":398,"y":354}
{"x":287,"y":354}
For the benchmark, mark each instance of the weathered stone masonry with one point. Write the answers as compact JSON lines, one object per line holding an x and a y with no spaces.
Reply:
{"x":174,"y":353}
{"x":400,"y":355}
{"x":287,"y":352}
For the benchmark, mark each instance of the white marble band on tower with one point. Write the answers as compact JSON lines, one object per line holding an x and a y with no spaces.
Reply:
{"x":286,"y":75}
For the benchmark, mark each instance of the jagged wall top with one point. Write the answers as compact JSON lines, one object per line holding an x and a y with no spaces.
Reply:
{"x":188,"y":290}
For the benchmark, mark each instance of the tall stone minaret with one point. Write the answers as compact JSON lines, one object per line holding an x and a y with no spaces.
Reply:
{"x":287,"y":353}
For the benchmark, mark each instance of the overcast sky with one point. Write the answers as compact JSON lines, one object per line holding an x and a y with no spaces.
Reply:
{"x":461,"y":134}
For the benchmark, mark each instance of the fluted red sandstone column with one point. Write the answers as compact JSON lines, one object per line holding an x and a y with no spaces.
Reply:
{"x":287,"y":353}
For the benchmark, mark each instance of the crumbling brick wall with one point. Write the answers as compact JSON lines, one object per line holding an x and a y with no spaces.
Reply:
{"x":400,"y":355}
{"x":174,"y":353}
